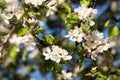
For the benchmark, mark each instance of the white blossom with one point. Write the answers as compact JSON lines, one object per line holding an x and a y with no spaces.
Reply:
{"x":35,"y":2}
{"x":32,"y":21}
{"x":67,"y":75}
{"x":86,"y":14}
{"x":95,"y":43}
{"x":15,"y":40}
{"x":75,"y":35}
{"x":52,"y":5}
{"x":56,"y":53}
{"x":27,"y":40}
{"x":12,"y":5}
{"x":52,"y":8}
{"x":94,"y":38}
{"x":4,"y":17}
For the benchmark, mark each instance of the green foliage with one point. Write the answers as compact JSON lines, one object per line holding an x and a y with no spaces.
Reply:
{"x":85,"y":2}
{"x":48,"y":39}
{"x":12,"y":52}
{"x":23,"y":31}
{"x":96,"y":73}
{"x":113,"y":31}
{"x":107,"y":23}
{"x":86,"y":27}
{"x":101,"y":76}
{"x":24,"y":55}
{"x":49,"y":65}
{"x":64,"y":10}
{"x":30,"y":69}
{"x":38,"y":29}
{"x":2,"y":4}
{"x":67,"y":7}
{"x":72,"y":20}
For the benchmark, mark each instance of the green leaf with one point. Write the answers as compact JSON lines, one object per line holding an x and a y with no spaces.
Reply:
{"x":12,"y":52}
{"x":49,"y":65}
{"x":23,"y":31}
{"x":48,"y":38}
{"x":88,"y":74}
{"x":107,"y":23}
{"x":109,"y":55}
{"x":101,"y":78}
{"x":86,"y":27}
{"x":72,"y":20}
{"x":85,"y":2}
{"x":30,"y":69}
{"x":81,"y":62}
{"x":67,"y":7}
{"x":113,"y":32}
{"x":100,"y":75}
{"x":2,"y":4}
{"x":24,"y":55}
{"x":38,"y":29}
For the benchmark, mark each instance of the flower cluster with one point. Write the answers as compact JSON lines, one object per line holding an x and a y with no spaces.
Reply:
{"x":86,"y":14}
{"x":65,"y":75}
{"x":56,"y":53}
{"x":95,"y":43}
{"x":4,"y":17}
{"x":52,"y":5}
{"x":94,"y":40}
{"x":12,"y":5}
{"x":76,"y":35}
{"x":35,"y":2}
{"x":27,"y":40}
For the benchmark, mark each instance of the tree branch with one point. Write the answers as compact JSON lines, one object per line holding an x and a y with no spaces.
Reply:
{"x":11,"y":31}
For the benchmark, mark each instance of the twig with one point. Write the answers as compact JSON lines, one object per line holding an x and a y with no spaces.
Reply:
{"x":40,"y":41}
{"x":60,"y":41}
{"x":11,"y":31}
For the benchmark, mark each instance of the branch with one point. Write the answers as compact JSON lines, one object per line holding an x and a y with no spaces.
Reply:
{"x":11,"y":31}
{"x":57,"y":42}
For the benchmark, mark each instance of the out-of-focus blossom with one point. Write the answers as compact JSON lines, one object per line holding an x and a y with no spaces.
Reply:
{"x":35,"y":2}
{"x":33,"y":54}
{"x":52,"y":5}
{"x":75,"y":35}
{"x":15,"y":40}
{"x":56,"y":53}
{"x":4,"y":17}
{"x":32,"y":21}
{"x":27,"y":40}
{"x":18,"y":13}
{"x":12,"y":5}
{"x":86,"y":14}
{"x":52,"y":8}
{"x":65,"y":75}
{"x":95,"y":43}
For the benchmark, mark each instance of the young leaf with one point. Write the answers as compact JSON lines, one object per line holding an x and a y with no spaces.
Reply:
{"x":67,"y":7}
{"x":107,"y":23}
{"x":72,"y":20}
{"x":38,"y":29}
{"x":86,"y":28}
{"x":12,"y":52}
{"x":113,"y":31}
{"x":48,"y":38}
{"x":23,"y":31}
{"x":85,"y":2}
{"x":100,"y":75}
